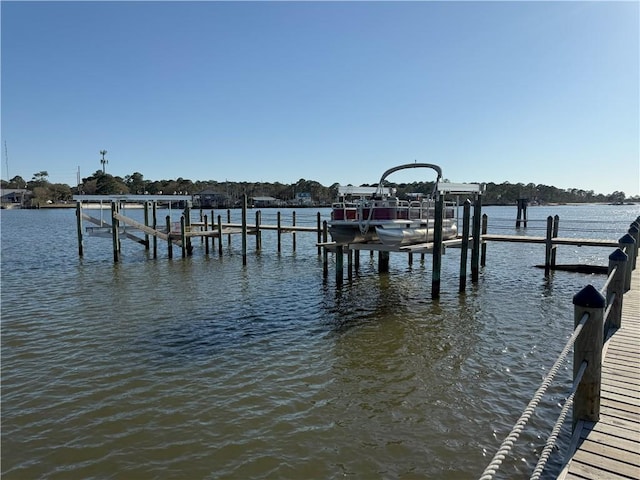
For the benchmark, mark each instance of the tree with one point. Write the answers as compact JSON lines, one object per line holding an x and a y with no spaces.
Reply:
{"x":135,"y":183}
{"x":17,"y":182}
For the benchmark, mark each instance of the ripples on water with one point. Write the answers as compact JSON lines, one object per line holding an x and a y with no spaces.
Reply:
{"x":200,"y":368}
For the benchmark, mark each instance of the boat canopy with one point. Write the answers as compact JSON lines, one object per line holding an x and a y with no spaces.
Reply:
{"x":412,"y":165}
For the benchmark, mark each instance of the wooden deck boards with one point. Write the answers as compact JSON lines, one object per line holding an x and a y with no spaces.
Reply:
{"x":610,"y":448}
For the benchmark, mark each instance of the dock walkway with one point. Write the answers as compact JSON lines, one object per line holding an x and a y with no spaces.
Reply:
{"x":610,"y":448}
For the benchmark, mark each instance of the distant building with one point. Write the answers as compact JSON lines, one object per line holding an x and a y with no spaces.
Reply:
{"x":212,"y":199}
{"x":303,"y":199}
{"x":259,"y":202}
{"x":14,"y":197}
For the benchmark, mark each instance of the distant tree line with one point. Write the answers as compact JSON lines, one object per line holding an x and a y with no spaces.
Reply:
{"x":101,"y":183}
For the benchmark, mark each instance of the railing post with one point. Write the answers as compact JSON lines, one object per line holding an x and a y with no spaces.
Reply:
{"x":615,"y":290}
{"x":634,"y":232}
{"x":588,"y":348}
{"x":627,"y":244}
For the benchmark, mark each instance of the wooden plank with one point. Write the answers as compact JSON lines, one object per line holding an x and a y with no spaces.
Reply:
{"x":140,"y":226}
{"x":619,"y":441}
{"x":595,"y":459}
{"x":588,"y":471}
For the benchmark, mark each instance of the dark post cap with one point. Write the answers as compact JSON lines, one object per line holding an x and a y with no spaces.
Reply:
{"x":618,"y":256}
{"x":633,"y":229}
{"x":626,"y":238}
{"x":589,"y":297}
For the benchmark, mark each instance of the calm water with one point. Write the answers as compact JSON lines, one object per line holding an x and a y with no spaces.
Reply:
{"x":203,"y":368}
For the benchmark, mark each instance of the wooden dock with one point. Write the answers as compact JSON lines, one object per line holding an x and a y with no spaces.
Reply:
{"x":579,"y":242}
{"x":610,"y":448}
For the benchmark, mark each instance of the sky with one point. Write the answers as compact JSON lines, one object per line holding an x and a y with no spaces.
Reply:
{"x":337,"y":92}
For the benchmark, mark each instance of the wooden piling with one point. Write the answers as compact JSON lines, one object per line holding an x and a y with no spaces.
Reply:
{"x":350,"y":263}
{"x":475,"y":252}
{"x":483,"y":246}
{"x":154,"y":212}
{"x":325,"y":252}
{"x":244,"y":229}
{"x":383,"y":262}
{"x":213,"y":227}
{"x":279,"y":233}
{"x":548,"y":246}
{"x":293,"y":234}
{"x":554,"y":234}
{"x":465,"y":245}
{"x":183,"y":237}
{"x":437,"y":246}
{"x":115,"y":225}
{"x":220,"y":235}
{"x":258,"y":231}
{"x":169,"y":242}
{"x":339,"y":265}
{"x":205,"y":223}
{"x":588,"y":348}
{"x":229,"y":221}
{"x":319,"y":227}
{"x":147,"y":244}
{"x":79,"y":228}
{"x":522,"y":212}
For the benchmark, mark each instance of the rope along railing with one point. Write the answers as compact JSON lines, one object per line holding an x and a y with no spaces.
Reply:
{"x":592,"y":311}
{"x":509,"y":441}
{"x":555,"y":433}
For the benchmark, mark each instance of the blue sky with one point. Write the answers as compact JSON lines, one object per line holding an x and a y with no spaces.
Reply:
{"x":535,"y":92}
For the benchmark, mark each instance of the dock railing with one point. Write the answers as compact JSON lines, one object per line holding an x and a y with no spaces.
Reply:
{"x":597,"y":314}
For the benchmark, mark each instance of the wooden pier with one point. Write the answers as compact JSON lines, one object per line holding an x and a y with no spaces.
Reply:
{"x":610,"y":447}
